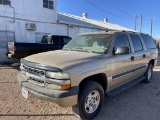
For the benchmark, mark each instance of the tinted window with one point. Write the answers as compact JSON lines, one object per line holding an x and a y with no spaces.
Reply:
{"x":121,"y":41}
{"x":60,"y":40}
{"x":149,"y":42}
{"x":66,"y":40}
{"x":56,"y":40}
{"x":44,"y":39}
{"x":136,"y":43}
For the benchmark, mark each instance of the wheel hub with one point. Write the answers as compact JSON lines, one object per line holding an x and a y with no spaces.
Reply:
{"x":92,"y":102}
{"x":149,"y":74}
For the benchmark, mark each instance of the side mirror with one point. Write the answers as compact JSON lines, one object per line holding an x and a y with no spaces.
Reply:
{"x":122,"y":50}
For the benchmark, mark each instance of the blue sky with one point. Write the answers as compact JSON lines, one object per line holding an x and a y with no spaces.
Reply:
{"x":121,"y":12}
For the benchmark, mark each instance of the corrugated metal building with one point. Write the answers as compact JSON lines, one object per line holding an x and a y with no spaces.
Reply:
{"x":29,"y":20}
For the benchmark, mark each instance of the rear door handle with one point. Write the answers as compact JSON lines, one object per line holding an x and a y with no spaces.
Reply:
{"x":132,"y":58}
{"x":144,"y":55}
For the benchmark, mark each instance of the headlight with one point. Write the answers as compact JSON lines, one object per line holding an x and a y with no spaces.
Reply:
{"x":57,"y":75}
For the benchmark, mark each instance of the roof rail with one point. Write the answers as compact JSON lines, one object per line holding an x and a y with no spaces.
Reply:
{"x":113,"y":30}
{"x":144,"y":33}
{"x":128,"y":31}
{"x":121,"y":31}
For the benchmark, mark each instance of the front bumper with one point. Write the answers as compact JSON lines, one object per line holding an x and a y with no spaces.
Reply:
{"x":11,"y":56}
{"x":64,"y":98}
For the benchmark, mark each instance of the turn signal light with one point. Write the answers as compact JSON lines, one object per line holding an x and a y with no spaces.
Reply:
{"x":65,"y":87}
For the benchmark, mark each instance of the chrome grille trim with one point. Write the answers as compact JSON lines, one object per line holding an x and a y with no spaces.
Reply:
{"x":40,"y":83}
{"x":40,"y":79}
{"x":34,"y":71}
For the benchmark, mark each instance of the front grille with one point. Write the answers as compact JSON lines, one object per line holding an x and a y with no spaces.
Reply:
{"x":34,"y":71}
{"x":30,"y":72}
{"x":37,"y":82}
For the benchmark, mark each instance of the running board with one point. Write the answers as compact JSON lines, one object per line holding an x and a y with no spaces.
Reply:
{"x":125,"y":86}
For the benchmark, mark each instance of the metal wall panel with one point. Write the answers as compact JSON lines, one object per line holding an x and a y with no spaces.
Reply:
{"x":5,"y":37}
{"x":62,"y":29}
{"x":20,"y":31}
{"x":3,"y":56}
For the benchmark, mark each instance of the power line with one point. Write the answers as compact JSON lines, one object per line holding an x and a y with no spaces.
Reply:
{"x":116,"y":7}
{"x":105,"y":10}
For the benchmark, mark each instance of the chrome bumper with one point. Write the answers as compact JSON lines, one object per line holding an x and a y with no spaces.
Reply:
{"x":64,"y":98}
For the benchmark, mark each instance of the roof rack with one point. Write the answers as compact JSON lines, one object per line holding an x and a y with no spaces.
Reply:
{"x":128,"y":31}
{"x":113,"y":30}
{"x":121,"y":31}
{"x":144,"y":33}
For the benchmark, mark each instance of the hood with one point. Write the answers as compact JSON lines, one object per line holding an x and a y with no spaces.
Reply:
{"x":62,"y":58}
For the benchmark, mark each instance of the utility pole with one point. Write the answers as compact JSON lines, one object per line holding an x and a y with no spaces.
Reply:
{"x":141,"y":24}
{"x":135,"y":23}
{"x":151,"y":26}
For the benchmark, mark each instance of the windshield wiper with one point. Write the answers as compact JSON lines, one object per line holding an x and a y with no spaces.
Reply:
{"x":82,"y":49}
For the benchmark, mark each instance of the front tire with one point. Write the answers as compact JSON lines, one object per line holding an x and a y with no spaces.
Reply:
{"x":148,"y":74}
{"x":90,"y":100}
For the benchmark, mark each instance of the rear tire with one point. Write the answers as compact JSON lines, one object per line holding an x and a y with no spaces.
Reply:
{"x":90,"y":100}
{"x":148,"y":74}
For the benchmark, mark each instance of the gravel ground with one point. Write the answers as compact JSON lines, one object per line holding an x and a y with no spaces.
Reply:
{"x":140,"y":102}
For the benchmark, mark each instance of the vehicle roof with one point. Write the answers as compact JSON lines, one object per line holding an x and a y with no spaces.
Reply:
{"x":111,"y":32}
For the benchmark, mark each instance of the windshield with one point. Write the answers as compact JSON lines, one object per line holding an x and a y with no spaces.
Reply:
{"x":97,"y":43}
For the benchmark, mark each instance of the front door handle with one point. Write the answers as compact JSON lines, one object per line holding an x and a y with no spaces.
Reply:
{"x":132,"y":58}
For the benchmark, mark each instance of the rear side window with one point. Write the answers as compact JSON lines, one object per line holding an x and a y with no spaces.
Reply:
{"x":149,"y":42}
{"x":60,"y":40}
{"x":44,"y":39}
{"x":137,"y":44}
{"x":66,"y":40}
{"x":56,"y":40}
{"x":121,"y":41}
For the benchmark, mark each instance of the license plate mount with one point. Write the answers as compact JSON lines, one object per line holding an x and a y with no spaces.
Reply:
{"x":24,"y":93}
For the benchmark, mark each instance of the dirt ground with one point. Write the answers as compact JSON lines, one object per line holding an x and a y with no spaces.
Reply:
{"x":140,"y":102}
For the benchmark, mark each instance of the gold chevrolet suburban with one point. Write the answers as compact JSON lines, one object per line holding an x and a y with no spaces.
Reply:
{"x":87,"y":67}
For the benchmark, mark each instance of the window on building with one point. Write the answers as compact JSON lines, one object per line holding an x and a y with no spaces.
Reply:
{"x":5,"y":2}
{"x":48,"y":4}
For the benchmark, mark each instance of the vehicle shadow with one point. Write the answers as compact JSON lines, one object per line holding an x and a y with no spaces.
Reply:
{"x":10,"y":65}
{"x":35,"y":115}
{"x":134,"y":103}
